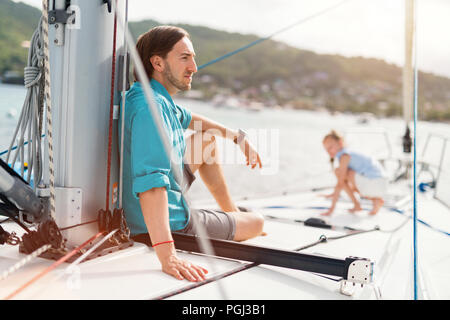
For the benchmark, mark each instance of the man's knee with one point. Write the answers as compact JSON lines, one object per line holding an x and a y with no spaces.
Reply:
{"x":248,"y":225}
{"x":257,"y":223}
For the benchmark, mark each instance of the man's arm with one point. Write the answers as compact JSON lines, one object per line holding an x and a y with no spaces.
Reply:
{"x":203,"y":124}
{"x":154,"y":204}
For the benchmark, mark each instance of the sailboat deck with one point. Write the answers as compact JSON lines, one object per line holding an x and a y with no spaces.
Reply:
{"x":134,"y":273}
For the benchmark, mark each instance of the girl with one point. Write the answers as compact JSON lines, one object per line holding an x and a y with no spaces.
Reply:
{"x":357,"y":173}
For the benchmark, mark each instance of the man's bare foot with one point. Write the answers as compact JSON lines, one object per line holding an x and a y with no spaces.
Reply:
{"x":356,"y":208}
{"x":377,"y":204}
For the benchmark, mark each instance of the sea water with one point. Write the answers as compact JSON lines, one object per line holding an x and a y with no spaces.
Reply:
{"x":289,"y":142}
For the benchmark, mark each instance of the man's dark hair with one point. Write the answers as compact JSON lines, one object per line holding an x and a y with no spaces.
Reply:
{"x":157,"y":41}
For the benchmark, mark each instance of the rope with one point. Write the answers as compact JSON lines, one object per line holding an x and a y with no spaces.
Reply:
{"x":78,"y":225}
{"x":48,"y":101}
{"x":87,"y":253}
{"x":52,"y":266}
{"x":29,"y":123}
{"x":5,"y":274}
{"x":303,"y":20}
{"x":17,"y":146}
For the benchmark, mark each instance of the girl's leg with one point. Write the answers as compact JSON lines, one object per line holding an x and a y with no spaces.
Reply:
{"x":350,"y":189}
{"x":377,"y":204}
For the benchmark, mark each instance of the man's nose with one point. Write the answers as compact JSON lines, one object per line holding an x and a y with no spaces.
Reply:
{"x":193,"y":66}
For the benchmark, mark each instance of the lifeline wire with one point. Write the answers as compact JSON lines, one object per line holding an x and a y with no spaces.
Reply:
{"x":232,"y":53}
{"x":204,"y":245}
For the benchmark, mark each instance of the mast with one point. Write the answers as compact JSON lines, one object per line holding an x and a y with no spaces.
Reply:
{"x":80,"y":56}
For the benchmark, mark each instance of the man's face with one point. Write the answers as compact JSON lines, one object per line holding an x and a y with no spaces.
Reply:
{"x":180,"y":65}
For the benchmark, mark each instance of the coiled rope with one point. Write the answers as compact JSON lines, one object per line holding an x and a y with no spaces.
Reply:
{"x":28,"y":131}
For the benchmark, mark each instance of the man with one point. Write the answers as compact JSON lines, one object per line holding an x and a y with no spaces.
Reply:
{"x":153,"y":201}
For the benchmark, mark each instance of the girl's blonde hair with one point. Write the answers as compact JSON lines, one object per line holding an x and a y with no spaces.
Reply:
{"x":336,"y":137}
{"x":333,"y":135}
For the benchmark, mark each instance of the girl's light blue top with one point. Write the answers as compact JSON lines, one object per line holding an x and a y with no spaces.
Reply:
{"x":362,"y":164}
{"x":145,"y":162}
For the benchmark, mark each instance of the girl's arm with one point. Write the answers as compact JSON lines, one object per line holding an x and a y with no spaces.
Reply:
{"x":341,"y":173}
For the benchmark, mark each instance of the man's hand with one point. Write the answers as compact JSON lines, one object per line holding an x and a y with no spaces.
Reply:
{"x":154,"y":204}
{"x":182,"y":269}
{"x":250,"y":153}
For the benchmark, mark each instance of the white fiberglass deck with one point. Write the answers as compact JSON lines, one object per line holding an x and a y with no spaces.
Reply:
{"x":135,"y":273}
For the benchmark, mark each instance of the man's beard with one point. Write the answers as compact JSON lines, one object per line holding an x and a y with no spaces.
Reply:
{"x":174,"y":81}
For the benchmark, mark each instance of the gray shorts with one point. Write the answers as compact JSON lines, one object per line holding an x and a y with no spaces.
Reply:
{"x":218,"y":224}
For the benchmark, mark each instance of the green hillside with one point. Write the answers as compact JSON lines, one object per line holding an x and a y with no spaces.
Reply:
{"x":278,"y":74}
{"x":17,"y":24}
{"x":271,"y":72}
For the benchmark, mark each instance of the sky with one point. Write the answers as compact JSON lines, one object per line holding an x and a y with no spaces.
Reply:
{"x":369,"y":28}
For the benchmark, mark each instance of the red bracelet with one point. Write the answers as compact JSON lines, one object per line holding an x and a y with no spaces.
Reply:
{"x":157,"y":244}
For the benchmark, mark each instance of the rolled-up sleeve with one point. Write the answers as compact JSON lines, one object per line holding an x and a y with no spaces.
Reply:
{"x":149,"y":163}
{"x":185,"y":116}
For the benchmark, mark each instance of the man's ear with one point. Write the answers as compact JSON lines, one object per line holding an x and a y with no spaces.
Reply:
{"x":157,"y":63}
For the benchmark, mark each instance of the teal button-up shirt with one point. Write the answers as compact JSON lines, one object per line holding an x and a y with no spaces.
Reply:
{"x":145,"y":162}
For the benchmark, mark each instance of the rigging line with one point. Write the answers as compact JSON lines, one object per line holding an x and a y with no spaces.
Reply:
{"x":69,"y":268}
{"x":52,"y":266}
{"x":232,"y":53}
{"x":5,"y":274}
{"x":204,"y":245}
{"x":422,"y":222}
{"x":111,"y":107}
{"x":414,"y":15}
{"x":92,"y":249}
{"x":17,"y":146}
{"x":122,"y":113}
{"x":78,"y":225}
{"x":48,"y":101}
